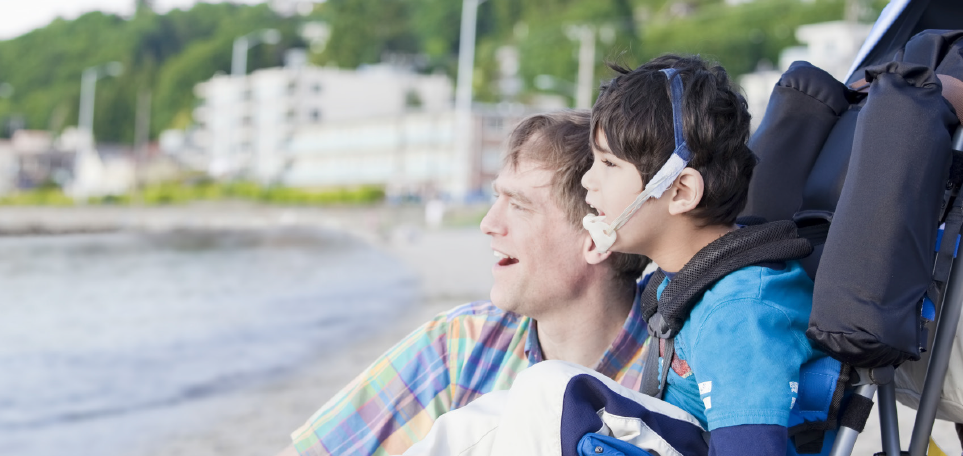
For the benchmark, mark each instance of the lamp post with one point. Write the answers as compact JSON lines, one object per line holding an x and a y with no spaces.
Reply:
{"x":88,"y":86}
{"x":461,"y":170}
{"x":225,"y":162}
{"x":585,"y":35}
{"x":243,"y":43}
{"x":86,"y":162}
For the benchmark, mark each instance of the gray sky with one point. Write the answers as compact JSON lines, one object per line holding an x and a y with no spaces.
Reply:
{"x":18,"y":16}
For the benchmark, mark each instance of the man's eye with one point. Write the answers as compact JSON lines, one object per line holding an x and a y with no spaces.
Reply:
{"x":517,"y":207}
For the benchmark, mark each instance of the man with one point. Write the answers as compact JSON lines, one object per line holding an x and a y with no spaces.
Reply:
{"x":555,"y":296}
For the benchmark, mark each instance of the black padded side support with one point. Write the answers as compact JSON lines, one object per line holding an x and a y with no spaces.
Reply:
{"x":887,"y":215}
{"x":804,"y":106}
{"x":857,"y":412}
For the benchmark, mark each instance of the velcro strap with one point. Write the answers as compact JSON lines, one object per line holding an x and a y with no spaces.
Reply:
{"x":650,"y":372}
{"x":857,"y":412}
{"x":948,"y":242}
{"x":809,"y":441}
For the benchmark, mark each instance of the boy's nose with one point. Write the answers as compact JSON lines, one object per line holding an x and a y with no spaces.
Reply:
{"x":587,"y":181}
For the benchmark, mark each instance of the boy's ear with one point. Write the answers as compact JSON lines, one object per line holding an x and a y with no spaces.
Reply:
{"x":686,"y":192}
{"x":591,"y":252}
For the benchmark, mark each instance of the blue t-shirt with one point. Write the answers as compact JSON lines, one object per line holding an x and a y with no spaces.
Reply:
{"x":739,"y":353}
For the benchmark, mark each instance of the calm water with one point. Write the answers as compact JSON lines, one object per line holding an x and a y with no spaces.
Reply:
{"x":98,"y":332}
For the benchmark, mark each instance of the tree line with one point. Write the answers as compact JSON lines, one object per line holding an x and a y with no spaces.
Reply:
{"x":168,"y":54}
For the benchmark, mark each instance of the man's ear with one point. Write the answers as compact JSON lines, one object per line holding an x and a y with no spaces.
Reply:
{"x":686,"y":192}
{"x":591,"y":252}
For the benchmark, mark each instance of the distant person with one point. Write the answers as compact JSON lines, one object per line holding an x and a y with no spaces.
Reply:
{"x":555,"y":296}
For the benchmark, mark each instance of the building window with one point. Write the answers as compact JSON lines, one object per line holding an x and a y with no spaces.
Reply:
{"x":316,"y":87}
{"x":292,"y":87}
{"x":315,"y":115}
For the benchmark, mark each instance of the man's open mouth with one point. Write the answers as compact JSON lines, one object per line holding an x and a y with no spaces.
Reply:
{"x":505,"y":259}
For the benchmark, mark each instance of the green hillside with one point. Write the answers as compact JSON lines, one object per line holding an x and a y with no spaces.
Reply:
{"x":168,"y":54}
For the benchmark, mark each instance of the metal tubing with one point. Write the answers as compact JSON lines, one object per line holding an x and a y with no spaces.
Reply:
{"x":939,"y":360}
{"x":846,"y":438}
{"x":888,"y":419}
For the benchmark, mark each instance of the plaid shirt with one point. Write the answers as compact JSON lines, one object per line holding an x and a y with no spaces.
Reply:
{"x":443,"y":365}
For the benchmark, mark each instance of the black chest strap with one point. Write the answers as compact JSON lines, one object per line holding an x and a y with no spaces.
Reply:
{"x":768,"y":243}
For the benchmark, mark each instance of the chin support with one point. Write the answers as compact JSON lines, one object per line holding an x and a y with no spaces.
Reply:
{"x":604,"y":234}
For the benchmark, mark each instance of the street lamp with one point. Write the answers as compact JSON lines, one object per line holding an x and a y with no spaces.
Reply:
{"x":585,"y":35}
{"x":243,"y":43}
{"x":466,"y":66}
{"x":88,"y":85}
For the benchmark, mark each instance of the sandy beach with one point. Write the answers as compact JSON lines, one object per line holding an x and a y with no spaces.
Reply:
{"x":453,"y":265}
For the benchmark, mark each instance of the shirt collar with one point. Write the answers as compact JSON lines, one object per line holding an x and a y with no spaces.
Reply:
{"x":623,"y":349}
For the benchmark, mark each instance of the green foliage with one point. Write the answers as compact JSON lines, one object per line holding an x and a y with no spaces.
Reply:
{"x":43,"y":196}
{"x":169,"y":54}
{"x":166,"y":54}
{"x":206,"y":190}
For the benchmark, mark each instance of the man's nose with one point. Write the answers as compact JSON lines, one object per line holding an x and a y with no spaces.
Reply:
{"x":491,"y":224}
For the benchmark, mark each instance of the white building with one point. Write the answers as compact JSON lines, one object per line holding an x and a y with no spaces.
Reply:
{"x":831,"y":46}
{"x":410,"y":154}
{"x":247,"y":124}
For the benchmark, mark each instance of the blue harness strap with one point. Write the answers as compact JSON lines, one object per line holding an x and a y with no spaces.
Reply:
{"x":675,"y":88}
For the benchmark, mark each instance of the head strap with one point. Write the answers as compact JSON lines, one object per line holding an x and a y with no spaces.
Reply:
{"x":675,"y":86}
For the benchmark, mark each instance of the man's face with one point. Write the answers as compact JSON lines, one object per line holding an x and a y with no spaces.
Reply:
{"x":539,"y":260}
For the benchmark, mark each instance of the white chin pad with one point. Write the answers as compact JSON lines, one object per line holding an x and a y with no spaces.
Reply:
{"x":602,"y":233}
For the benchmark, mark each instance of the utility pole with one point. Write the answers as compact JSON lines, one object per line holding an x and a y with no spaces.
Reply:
{"x":461,"y":168}
{"x":88,"y":86}
{"x":585,"y":83}
{"x":141,"y":138}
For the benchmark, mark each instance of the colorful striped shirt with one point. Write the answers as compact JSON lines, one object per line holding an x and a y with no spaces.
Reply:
{"x":443,"y":365}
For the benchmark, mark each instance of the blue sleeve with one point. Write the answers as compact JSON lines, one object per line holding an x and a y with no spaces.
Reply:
{"x":745,"y":355}
{"x":749,"y":440}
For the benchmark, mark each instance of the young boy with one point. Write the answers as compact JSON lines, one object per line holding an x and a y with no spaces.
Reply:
{"x":671,"y":174}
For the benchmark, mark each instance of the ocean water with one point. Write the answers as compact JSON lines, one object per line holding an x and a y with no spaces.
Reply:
{"x":103,"y":336}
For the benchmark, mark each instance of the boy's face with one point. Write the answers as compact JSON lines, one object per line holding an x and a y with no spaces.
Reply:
{"x":612,"y":185}
{"x":539,"y":252}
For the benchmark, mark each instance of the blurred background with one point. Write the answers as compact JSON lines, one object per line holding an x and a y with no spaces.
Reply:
{"x":214,"y":215}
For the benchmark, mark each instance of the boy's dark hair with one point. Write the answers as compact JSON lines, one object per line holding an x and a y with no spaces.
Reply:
{"x":634,"y":111}
{"x":559,"y":142}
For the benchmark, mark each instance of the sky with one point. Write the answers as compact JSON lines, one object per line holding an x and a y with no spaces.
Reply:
{"x":18,"y":17}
